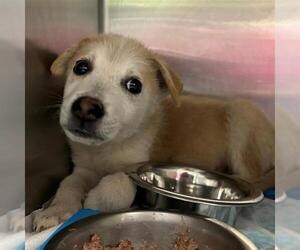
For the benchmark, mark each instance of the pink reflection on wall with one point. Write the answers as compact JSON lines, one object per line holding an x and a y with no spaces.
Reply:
{"x":217,"y":47}
{"x":236,"y":60}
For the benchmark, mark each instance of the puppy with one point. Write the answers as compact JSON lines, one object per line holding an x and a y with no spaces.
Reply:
{"x":122,"y":105}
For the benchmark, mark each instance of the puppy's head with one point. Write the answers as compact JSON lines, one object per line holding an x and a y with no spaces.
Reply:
{"x":112,"y":85}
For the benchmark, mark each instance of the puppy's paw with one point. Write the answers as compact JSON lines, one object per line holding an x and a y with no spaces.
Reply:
{"x":114,"y":192}
{"x":52,"y":216}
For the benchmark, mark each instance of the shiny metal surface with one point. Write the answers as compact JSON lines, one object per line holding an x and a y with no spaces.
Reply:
{"x":153,"y":227}
{"x":195,"y":185}
{"x":150,"y":200}
{"x":221,"y":47}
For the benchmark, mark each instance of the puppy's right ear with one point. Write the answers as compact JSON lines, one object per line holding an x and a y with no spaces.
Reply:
{"x":60,"y":65}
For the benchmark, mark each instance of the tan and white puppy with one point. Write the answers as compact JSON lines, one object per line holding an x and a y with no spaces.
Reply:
{"x":122,"y":105}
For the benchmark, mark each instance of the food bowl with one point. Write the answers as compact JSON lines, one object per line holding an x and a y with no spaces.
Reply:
{"x":153,"y":227}
{"x":188,"y":189}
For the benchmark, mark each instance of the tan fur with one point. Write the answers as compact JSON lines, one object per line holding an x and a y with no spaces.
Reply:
{"x":226,"y":135}
{"x":192,"y":133}
{"x":221,"y":134}
{"x":171,"y":79}
{"x":60,"y":65}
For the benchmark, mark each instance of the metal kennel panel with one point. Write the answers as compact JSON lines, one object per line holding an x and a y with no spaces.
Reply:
{"x":218,"y":47}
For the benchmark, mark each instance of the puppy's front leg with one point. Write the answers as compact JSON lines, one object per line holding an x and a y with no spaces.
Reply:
{"x":68,"y":198}
{"x":114,"y":192}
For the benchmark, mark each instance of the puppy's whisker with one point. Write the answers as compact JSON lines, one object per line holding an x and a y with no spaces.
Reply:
{"x":54,"y":106}
{"x":55,"y":95}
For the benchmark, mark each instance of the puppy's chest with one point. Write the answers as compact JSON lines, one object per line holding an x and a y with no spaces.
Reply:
{"x":110,"y":160}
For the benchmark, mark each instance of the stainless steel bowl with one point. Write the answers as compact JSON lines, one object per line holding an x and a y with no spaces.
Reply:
{"x":155,"y":227}
{"x":187,"y":189}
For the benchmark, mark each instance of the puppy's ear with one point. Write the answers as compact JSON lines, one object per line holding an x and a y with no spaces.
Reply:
{"x":59,"y":66}
{"x":169,"y":79}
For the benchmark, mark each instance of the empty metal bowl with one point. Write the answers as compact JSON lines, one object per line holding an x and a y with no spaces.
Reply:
{"x":159,"y":228}
{"x":190,"y":190}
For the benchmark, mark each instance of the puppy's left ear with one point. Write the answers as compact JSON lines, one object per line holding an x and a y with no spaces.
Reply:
{"x":59,"y":66}
{"x":169,"y":79}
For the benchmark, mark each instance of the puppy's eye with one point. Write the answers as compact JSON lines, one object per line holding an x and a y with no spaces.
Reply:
{"x":134,"y":86}
{"x":82,"y":67}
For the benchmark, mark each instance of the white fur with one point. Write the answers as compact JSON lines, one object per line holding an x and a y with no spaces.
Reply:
{"x":103,"y":83}
{"x":124,"y":135}
{"x":114,"y":192}
{"x":130,"y":127}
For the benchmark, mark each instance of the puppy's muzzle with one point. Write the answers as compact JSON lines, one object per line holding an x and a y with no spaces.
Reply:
{"x":86,"y":113}
{"x":87,"y":109}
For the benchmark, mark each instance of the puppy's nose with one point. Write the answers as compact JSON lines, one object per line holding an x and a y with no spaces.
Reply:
{"x":87,"y":109}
